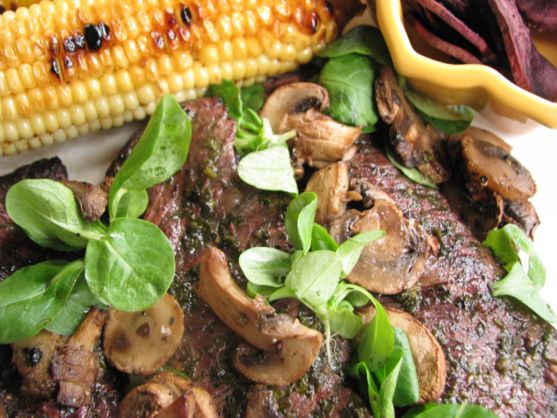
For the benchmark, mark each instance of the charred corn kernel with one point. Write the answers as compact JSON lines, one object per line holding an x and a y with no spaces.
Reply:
{"x":56,"y":82}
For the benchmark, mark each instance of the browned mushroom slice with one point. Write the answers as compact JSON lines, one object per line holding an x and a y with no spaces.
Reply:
{"x":32,"y":358}
{"x":289,"y":347}
{"x":393,"y":263}
{"x":141,"y":342}
{"x":492,"y":167}
{"x":428,"y":355}
{"x":331,"y":186}
{"x":76,"y":366}
{"x":167,"y":395}
{"x":522,"y":214}
{"x":414,"y":142}
{"x":92,"y":200}
{"x":319,"y":138}
{"x":293,"y":98}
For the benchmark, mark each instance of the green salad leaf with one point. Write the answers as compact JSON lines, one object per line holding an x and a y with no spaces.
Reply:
{"x":131,"y":267}
{"x":363,"y":40}
{"x":447,"y":119}
{"x":75,"y":309}
{"x":48,"y":213}
{"x":349,"y":80}
{"x":449,"y":411}
{"x":525,"y":272}
{"x":412,"y":173}
{"x":269,"y":169}
{"x":265,"y":266}
{"x":344,"y":321}
{"x":321,"y":240}
{"x":300,"y":215}
{"x":27,"y":317}
{"x":351,"y":249}
{"x":253,"y":97}
{"x":160,"y":152}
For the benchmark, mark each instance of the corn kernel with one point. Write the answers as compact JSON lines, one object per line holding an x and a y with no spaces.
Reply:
{"x":108,"y":84}
{"x":59,"y":135}
{"x":24,"y":129}
{"x":72,"y":132}
{"x":9,"y":109}
{"x":90,"y":111}
{"x":37,"y":124}
{"x":103,"y":107}
{"x":14,"y":82}
{"x":78,"y":115}
{"x":10,"y":132}
{"x":146,"y":94}
{"x":201,"y":76}
{"x":51,"y":121}
{"x":209,"y":55}
{"x":64,"y":93}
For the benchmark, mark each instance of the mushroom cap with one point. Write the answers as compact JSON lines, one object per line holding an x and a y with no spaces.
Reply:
{"x":141,"y":342}
{"x":494,"y":168}
{"x":195,"y":402}
{"x":331,"y":186}
{"x":289,"y":347}
{"x":393,"y":263}
{"x":428,"y":355}
{"x":429,"y":359}
{"x":319,"y":138}
{"x":293,"y":98}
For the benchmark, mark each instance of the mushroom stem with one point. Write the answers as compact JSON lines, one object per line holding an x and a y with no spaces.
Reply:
{"x":76,"y":365}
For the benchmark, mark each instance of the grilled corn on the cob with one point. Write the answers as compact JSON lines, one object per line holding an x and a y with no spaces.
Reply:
{"x":72,"y":66}
{"x":14,"y":4}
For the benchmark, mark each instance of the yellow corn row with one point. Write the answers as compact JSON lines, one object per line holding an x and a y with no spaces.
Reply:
{"x":68,"y":67}
{"x":14,"y":4}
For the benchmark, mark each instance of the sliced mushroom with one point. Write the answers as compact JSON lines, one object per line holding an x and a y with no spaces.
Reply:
{"x":32,"y":358}
{"x":428,"y":355}
{"x":492,"y":167}
{"x":92,"y":199}
{"x":141,"y":342}
{"x":417,"y":144}
{"x":522,"y":214}
{"x":293,"y":98}
{"x":161,"y":397}
{"x":76,"y":366}
{"x":320,"y":140}
{"x":289,"y":347}
{"x":393,"y":263}
{"x":331,"y":186}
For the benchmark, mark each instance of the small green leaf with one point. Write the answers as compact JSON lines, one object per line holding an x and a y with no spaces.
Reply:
{"x":377,"y":341}
{"x":367,"y":384}
{"x":253,"y":290}
{"x":28,"y":317}
{"x":363,"y":40}
{"x":349,"y":251}
{"x":344,"y":321}
{"x":48,"y":213}
{"x":253,"y":96}
{"x":300,"y":215}
{"x":130,"y":203}
{"x":407,"y":387}
{"x":314,"y":277}
{"x":321,"y":240}
{"x":28,"y":282}
{"x":131,"y":267}
{"x":269,"y":169}
{"x":388,"y":384}
{"x":264,"y":266}
{"x":230,"y":95}
{"x":518,"y":285}
{"x":349,"y":81}
{"x":447,"y":119}
{"x":449,"y":411}
{"x":412,"y":173}
{"x":161,"y":151}
{"x":73,"y":312}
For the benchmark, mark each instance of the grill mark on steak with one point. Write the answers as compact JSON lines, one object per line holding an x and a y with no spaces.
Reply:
{"x":206,"y":204}
{"x":498,"y":354}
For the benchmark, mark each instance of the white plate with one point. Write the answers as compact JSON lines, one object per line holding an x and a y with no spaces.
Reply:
{"x":535,"y":146}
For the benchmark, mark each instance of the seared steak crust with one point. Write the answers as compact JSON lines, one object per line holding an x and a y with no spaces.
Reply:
{"x":498,"y":354}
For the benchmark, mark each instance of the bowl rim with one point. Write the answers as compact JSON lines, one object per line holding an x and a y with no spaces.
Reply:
{"x":414,"y":65}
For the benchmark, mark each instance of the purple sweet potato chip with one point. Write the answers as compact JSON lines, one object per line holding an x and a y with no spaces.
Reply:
{"x":529,"y":69}
{"x":436,"y":42}
{"x":460,"y":27}
{"x":541,"y":15}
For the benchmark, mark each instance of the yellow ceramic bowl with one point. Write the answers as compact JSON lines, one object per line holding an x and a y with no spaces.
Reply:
{"x":475,"y":85}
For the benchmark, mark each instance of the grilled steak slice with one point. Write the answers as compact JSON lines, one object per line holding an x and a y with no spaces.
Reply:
{"x":206,"y":204}
{"x":16,"y":250}
{"x":498,"y":354}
